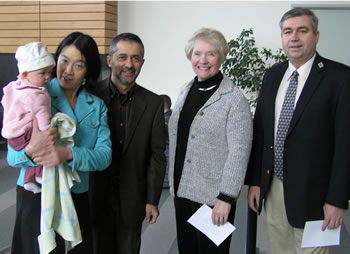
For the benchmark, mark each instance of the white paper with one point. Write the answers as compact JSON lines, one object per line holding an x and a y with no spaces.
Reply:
{"x":202,"y":221}
{"x":314,"y":237}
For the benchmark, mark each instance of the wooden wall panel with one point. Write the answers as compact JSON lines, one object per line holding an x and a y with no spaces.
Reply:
{"x":19,"y":25}
{"x":50,"y":21}
{"x":54,"y":48}
{"x":19,"y":17}
{"x":71,"y":16}
{"x":18,"y":9}
{"x":78,"y":25}
{"x":16,"y":41}
{"x":18,"y":3}
{"x":20,"y":33}
{"x":61,"y":33}
{"x":72,"y":8}
{"x":8,"y":48}
{"x":114,"y":3}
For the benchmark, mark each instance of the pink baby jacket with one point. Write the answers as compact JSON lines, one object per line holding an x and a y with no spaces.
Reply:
{"x":21,"y":101}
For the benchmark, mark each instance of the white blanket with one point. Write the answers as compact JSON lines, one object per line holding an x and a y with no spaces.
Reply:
{"x":57,"y":207}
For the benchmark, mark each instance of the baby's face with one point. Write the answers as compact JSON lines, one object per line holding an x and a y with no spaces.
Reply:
{"x":39,"y":77}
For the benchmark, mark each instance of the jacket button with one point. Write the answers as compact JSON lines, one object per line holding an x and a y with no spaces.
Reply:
{"x":271,"y":147}
{"x":188,"y":161}
{"x":268,"y":172}
{"x":201,"y":113}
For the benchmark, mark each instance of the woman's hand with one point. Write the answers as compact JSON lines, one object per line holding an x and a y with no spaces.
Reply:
{"x":55,"y":155}
{"x":42,"y":147}
{"x":220,"y":212}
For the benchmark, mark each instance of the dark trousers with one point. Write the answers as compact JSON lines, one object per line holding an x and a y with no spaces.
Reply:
{"x":128,"y":239}
{"x":189,"y":239}
{"x":102,"y":204}
{"x":27,"y":225}
{"x":110,"y":234}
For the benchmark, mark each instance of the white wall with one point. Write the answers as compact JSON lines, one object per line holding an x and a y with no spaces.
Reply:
{"x":334,"y":34}
{"x":165,"y":27}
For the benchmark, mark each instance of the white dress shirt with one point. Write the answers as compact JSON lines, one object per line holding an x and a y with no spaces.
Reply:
{"x":303,"y":72}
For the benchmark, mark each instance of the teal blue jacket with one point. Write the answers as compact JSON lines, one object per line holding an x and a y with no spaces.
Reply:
{"x":92,"y":149}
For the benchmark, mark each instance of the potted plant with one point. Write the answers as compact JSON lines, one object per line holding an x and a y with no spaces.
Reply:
{"x":245,"y":64}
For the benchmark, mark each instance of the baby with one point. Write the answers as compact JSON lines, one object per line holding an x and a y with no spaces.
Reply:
{"x":27,"y":97}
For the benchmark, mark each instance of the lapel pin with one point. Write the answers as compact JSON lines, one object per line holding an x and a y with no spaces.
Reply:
{"x":320,"y":65}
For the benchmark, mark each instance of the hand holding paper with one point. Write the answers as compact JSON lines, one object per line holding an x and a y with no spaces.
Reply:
{"x":314,"y":237}
{"x":203,"y":222}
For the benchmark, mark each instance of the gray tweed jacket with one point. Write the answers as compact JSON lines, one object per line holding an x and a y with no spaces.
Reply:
{"x":218,"y":146}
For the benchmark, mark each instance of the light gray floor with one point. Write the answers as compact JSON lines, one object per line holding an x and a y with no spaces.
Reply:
{"x":161,"y":237}
{"x":156,"y":239}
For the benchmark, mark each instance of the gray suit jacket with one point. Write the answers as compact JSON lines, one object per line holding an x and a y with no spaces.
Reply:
{"x":218,"y":147}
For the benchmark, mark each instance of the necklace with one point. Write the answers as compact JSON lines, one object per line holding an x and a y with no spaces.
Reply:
{"x":206,"y":89}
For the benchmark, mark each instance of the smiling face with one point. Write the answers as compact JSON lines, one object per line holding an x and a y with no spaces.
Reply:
{"x":39,"y":77}
{"x":205,"y":60}
{"x":299,"y":40}
{"x":71,"y":68}
{"x":126,"y":63}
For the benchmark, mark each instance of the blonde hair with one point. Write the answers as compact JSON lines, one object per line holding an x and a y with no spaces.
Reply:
{"x":212,"y":36}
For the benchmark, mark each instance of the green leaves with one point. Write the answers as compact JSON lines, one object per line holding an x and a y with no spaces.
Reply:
{"x":245,"y":64}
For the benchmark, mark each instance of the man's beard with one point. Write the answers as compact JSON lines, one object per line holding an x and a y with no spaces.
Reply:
{"x":124,"y":81}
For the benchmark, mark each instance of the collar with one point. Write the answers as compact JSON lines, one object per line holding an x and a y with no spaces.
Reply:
{"x":303,"y":70}
{"x":23,"y":83}
{"x":210,"y":83}
{"x":115,"y":92}
{"x":55,"y":90}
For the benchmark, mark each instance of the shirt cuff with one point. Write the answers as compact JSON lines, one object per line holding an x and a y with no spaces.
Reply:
{"x":225,"y":198}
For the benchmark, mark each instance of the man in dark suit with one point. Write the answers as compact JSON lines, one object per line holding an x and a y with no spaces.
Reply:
{"x":302,"y":172}
{"x":129,"y":190}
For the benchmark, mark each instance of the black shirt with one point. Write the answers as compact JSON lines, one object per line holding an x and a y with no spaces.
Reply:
{"x":120,"y":110}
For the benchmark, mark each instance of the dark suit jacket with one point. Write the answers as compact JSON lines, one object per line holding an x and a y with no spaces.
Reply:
{"x":142,"y":164}
{"x":316,"y":153}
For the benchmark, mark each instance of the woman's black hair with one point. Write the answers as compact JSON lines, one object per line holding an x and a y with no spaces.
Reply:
{"x":88,"y":47}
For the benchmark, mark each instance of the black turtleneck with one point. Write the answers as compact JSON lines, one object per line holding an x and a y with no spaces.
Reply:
{"x":198,"y":95}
